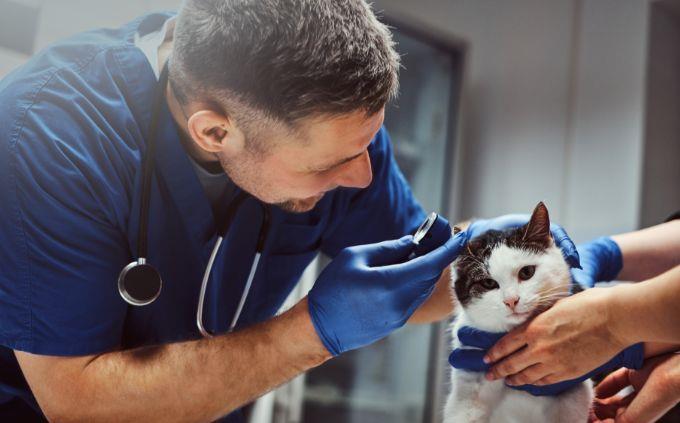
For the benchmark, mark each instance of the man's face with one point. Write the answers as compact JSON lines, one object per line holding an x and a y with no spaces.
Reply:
{"x":322,"y":154}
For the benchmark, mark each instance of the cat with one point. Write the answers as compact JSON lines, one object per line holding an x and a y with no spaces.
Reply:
{"x":499,"y":281}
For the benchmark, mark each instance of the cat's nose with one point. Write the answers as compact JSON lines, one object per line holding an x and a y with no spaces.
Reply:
{"x":511,"y":302}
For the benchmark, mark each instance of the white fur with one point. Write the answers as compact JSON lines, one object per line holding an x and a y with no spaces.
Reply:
{"x":473,"y":399}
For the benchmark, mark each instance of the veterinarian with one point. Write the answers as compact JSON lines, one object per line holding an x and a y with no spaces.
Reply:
{"x":167,"y":182}
{"x":583,"y":331}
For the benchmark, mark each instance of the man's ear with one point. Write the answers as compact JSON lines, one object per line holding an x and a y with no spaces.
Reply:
{"x":215,"y":133}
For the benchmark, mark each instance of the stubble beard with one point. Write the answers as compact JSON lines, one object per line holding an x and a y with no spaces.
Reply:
{"x":249,"y":183}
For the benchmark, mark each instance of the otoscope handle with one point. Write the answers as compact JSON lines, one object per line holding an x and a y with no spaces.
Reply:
{"x":428,"y":239}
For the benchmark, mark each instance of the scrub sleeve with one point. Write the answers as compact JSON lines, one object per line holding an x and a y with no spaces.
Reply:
{"x":60,"y":239}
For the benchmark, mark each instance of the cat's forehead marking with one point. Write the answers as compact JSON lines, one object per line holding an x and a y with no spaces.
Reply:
{"x":504,"y":261}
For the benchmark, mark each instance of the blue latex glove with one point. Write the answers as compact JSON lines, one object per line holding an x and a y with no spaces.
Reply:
{"x":601,"y":261}
{"x":509,"y":221}
{"x":368,"y":291}
{"x":481,"y":341}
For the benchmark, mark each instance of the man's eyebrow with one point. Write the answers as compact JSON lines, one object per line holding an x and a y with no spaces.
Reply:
{"x":340,"y":163}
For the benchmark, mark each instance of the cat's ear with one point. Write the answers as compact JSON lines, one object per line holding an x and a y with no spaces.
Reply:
{"x":538,"y":228}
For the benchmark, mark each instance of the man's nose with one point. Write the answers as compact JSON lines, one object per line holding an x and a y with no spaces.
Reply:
{"x":511,"y":302}
{"x":359,"y":174}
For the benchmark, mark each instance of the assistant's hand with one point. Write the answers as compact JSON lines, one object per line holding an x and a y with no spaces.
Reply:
{"x":368,"y":291}
{"x":601,"y":261}
{"x":509,"y":221}
{"x":566,"y":341}
{"x":657,"y":389}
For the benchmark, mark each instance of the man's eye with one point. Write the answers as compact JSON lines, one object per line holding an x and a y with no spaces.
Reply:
{"x":489,"y":283}
{"x":526,"y":273}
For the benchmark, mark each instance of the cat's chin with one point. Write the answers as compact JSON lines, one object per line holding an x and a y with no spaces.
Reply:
{"x":500,"y":324}
{"x":517,"y":319}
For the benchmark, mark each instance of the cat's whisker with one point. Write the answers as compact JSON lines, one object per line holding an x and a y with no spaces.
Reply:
{"x":553,"y":289}
{"x":556,"y":295}
{"x":553,"y":297}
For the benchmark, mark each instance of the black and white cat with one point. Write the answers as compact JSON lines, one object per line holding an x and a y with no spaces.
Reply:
{"x":500,"y":280}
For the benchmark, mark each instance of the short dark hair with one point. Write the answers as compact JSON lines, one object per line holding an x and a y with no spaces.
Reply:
{"x":287,"y":58}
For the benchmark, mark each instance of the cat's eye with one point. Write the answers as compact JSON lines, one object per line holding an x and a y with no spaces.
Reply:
{"x":526,"y":273}
{"x":489,"y":283}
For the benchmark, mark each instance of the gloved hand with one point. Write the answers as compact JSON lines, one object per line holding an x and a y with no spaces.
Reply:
{"x":601,"y":261}
{"x":478,"y":342}
{"x":368,"y":291}
{"x":509,"y":221}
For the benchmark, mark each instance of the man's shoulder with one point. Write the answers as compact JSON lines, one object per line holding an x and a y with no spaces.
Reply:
{"x":95,"y":66}
{"x":77,"y":108}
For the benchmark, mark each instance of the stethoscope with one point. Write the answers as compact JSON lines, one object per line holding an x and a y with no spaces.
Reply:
{"x":139,"y":283}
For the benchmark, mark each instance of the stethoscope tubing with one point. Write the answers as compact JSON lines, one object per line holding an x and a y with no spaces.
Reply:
{"x":142,"y":239}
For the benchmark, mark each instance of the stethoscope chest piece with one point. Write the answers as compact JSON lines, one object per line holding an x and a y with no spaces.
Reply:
{"x":139,"y":283}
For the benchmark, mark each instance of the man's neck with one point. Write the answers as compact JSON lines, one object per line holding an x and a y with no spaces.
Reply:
{"x":203,"y":158}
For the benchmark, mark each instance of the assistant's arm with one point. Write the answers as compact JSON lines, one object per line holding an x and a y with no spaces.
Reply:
{"x":188,"y":381}
{"x":649,"y":252}
{"x":648,"y":311}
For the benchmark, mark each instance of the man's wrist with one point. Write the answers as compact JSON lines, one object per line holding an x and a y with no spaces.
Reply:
{"x":300,"y":336}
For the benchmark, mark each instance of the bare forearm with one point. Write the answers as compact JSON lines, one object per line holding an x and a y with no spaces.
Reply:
{"x":649,"y":252}
{"x":649,"y":311}
{"x":440,"y":304}
{"x":653,"y":349}
{"x":198,"y":380}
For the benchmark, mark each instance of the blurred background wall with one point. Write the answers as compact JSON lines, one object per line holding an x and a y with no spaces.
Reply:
{"x":554,"y":108}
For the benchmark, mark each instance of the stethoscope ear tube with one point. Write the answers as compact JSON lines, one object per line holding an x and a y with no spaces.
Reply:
{"x":261,"y":239}
{"x":204,"y":287}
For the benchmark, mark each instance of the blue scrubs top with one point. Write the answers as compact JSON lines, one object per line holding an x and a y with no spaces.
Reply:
{"x":73,"y":128}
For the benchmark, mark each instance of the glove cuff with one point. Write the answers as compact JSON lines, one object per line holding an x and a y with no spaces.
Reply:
{"x":326,"y":339}
{"x":634,"y":356}
{"x":612,"y":262}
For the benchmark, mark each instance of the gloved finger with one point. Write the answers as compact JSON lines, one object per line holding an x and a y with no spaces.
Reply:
{"x":582,"y":278}
{"x":477,"y":338}
{"x":508,"y":221}
{"x":430,"y":265}
{"x":386,"y":252}
{"x":613,"y":383}
{"x":564,"y":242}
